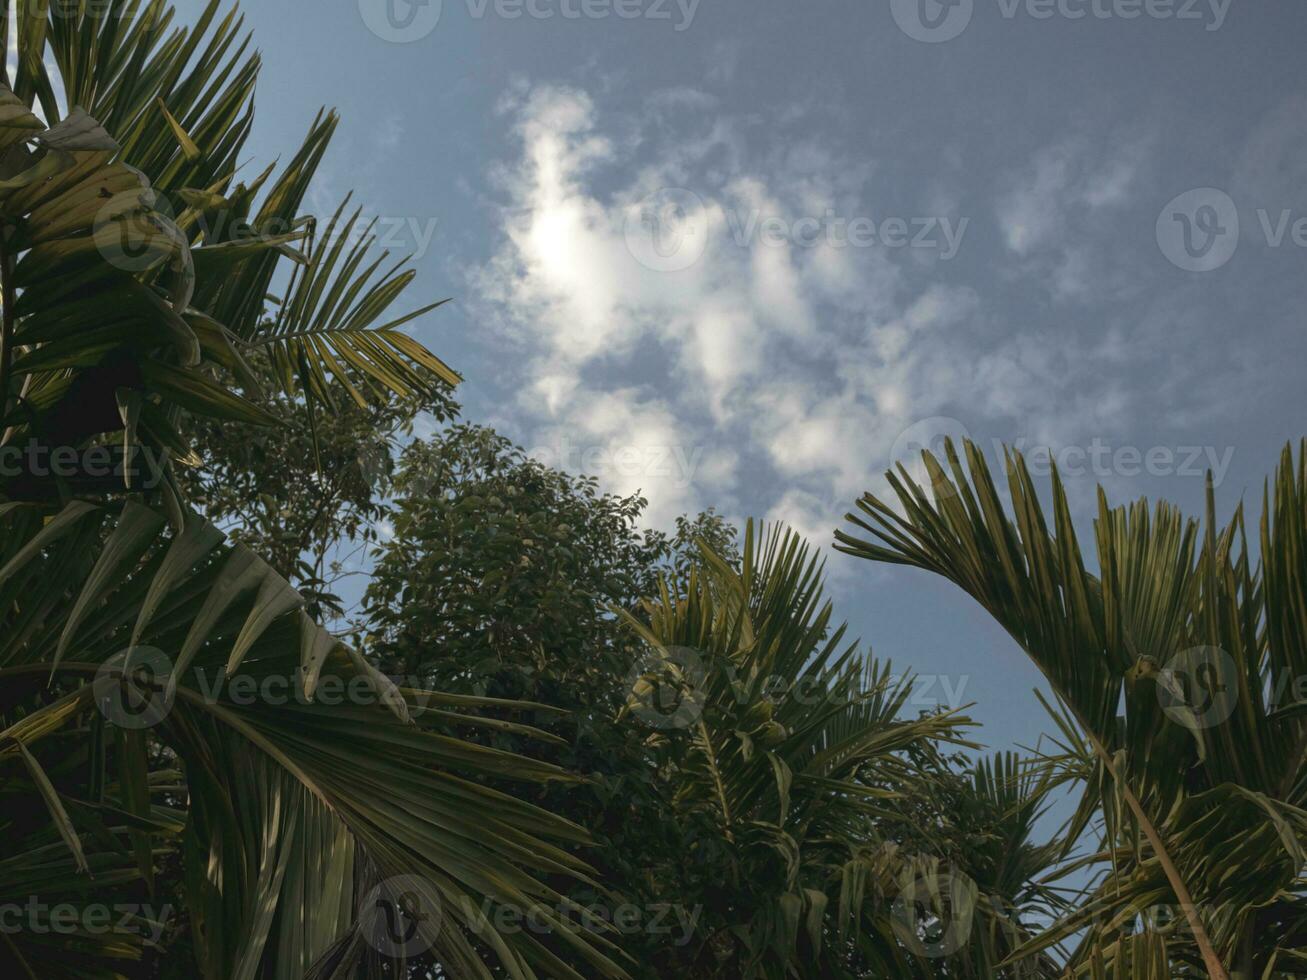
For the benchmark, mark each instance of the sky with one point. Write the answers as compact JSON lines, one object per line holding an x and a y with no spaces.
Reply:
{"x":748,"y":253}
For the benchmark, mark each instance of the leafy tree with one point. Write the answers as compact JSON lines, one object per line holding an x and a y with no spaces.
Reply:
{"x":784,"y":757}
{"x":134,"y":278}
{"x":499,"y":573}
{"x":310,"y":495}
{"x":1171,"y":665}
{"x":500,"y":581}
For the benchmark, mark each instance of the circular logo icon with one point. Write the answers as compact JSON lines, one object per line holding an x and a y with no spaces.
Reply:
{"x":131,"y":688}
{"x":933,"y":914}
{"x":1199,"y":687}
{"x":134,"y":230}
{"x":668,"y":230}
{"x":929,"y":435}
{"x":1198,"y":231}
{"x":668,"y":685}
{"x":400,"y":917}
{"x":401,"y":21}
{"x":932,"y":21}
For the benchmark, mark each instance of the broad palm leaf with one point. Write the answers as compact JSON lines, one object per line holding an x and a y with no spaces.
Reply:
{"x":277,"y":813}
{"x":790,"y":749}
{"x":1170,"y":663}
{"x":281,"y":794}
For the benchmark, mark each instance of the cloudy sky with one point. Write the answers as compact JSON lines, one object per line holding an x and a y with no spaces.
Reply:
{"x":746,"y":253}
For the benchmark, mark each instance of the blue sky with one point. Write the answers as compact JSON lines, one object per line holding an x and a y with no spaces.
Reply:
{"x":744,"y":254}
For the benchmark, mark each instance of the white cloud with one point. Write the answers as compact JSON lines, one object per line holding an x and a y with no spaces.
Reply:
{"x":765,"y":377}
{"x":1063,"y":201}
{"x":1031,"y":213}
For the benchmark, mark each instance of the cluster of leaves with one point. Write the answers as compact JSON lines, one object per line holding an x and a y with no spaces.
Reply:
{"x":499,"y":573}
{"x":311,"y":495}
{"x":1198,"y":803}
{"x":781,"y":805}
{"x":822,"y":827}
{"x":138,"y":277}
{"x":502,"y":579}
{"x":151,"y":304}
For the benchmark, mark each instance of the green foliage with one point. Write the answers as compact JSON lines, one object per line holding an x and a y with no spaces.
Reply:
{"x":795,"y":777}
{"x":1171,"y":665}
{"x":586,"y":713}
{"x":499,"y":571}
{"x":135,"y":282}
{"x":308,"y":498}
{"x":500,"y":580}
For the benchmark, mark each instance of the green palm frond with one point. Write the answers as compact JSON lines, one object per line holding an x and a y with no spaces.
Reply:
{"x":796,"y":748}
{"x":283,"y":795}
{"x":1199,"y":787}
{"x":334,"y":320}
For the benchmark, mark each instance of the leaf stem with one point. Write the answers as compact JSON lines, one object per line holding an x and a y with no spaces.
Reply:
{"x":1215,"y":969}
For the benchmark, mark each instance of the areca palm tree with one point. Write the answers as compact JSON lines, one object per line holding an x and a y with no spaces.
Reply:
{"x":136,"y":274}
{"x":1169,"y":662}
{"x":787,"y":755}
